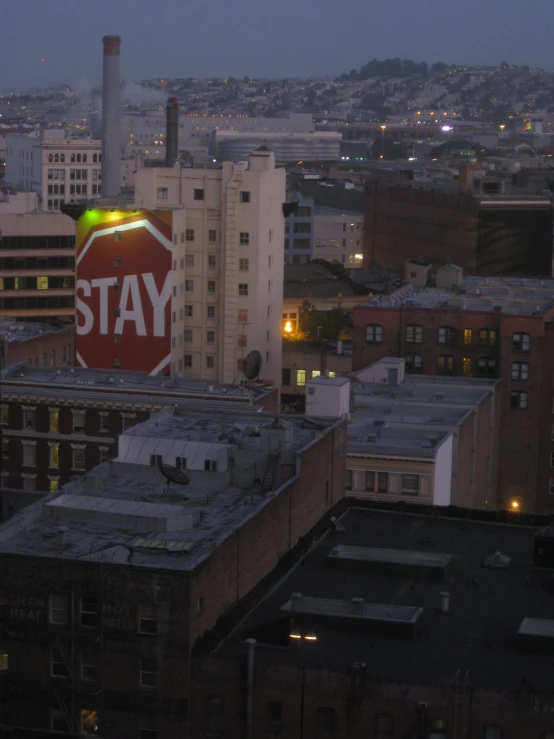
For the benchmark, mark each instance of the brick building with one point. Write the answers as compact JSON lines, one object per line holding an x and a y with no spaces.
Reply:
{"x":485,"y":235}
{"x":61,"y":422}
{"x":37,"y":344}
{"x":394,"y":625}
{"x":106,"y":585}
{"x":481,"y":327}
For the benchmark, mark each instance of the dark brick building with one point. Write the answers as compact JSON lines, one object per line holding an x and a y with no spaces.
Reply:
{"x":37,"y":344}
{"x":106,"y":585}
{"x":332,"y":657}
{"x":480,"y":327}
{"x":484,"y":235}
{"x":59,"y":422}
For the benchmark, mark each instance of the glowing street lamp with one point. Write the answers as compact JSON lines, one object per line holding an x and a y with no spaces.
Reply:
{"x":383,"y":141}
{"x":515,"y":505}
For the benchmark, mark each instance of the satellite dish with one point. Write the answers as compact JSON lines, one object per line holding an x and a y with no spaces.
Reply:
{"x":252,"y":365}
{"x":173,"y":474}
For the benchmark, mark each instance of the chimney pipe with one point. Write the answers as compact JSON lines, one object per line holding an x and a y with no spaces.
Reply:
{"x":172,"y":132}
{"x":111,"y":118}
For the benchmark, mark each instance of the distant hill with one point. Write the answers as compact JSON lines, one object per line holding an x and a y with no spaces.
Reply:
{"x":390,"y":68}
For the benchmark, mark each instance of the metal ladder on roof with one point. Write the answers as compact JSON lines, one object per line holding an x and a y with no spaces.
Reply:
{"x":462,"y":704}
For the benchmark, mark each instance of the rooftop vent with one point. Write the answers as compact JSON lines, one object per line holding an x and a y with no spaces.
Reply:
{"x":430,"y":565}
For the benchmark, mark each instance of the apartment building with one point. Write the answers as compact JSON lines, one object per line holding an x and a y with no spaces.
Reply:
{"x":59,"y":167}
{"x":37,"y":266}
{"x":58,"y":422}
{"x":479,"y":327}
{"x":227,"y":261}
{"x":299,"y":231}
{"x":107,"y":585}
{"x":338,"y":236}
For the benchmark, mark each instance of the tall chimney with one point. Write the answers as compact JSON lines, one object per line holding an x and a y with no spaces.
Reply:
{"x":111,"y":118}
{"x":172,"y":132}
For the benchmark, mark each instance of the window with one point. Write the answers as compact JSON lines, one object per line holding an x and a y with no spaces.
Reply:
{"x":211,"y":311}
{"x":79,"y":422}
{"x":210,"y":361}
{"x":274,"y":717}
{"x":162,"y":193}
{"x":243,"y":265}
{"x":104,"y":422}
{"x":374,"y":334}
{"x":54,"y":455}
{"x":58,"y":720}
{"x":240,"y":365}
{"x":29,"y":483}
{"x":301,"y":377}
{"x":189,"y":311}
{"x":89,"y":722}
{"x":243,"y":289}
{"x":187,"y":336}
{"x":244,"y":238}
{"x":487,"y":337}
{"x":29,"y":455}
{"x":520,"y":371}
{"x":369,"y":481}
{"x":189,"y":234}
{"x":42,"y":283}
{"x":29,"y":419}
{"x":54,"y":484}
{"x":5,"y":414}
{"x":116,"y":363}
{"x":210,"y":465}
{"x":5,"y":449}
{"x":242,"y":340}
{"x":551,"y":490}
{"x":244,"y":196}
{"x":285,"y":376}
{"x":326,"y":718}
{"x":198,"y":194}
{"x":447,"y":335}
{"x":521,"y":342}
{"x":89,"y":666}
{"x":147,"y":621}
{"x":189,"y":260}
{"x":242,"y":315}
{"x":445,"y":364}
{"x":552,"y":459}
{"x":187,"y":360}
{"x":383,"y":726}
{"x":78,"y":459}
{"x":58,"y":608}
{"x":127,"y":421}
{"x":410,"y":484}
{"x":58,"y":665}
{"x":189,"y":286}
{"x":148,"y":728}
{"x":210,"y":337}
{"x":89,"y":613}
{"x":493,"y":732}
{"x":211,"y":287}
{"x":54,"y":421}
{"x":215,"y":709}
{"x":466,"y":366}
{"x":302,"y":228}
{"x":382,"y":482}
{"x":212,"y":237}
{"x":414,"y":334}
{"x":486,"y":367}
{"x":413,"y":362}
{"x":519,"y":400}
{"x":155,"y":460}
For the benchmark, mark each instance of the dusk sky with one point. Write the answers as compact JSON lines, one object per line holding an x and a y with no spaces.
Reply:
{"x":289,"y":38}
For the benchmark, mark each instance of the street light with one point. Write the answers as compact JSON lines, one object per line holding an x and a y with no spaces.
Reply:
{"x":383,"y":142}
{"x":501,"y":127}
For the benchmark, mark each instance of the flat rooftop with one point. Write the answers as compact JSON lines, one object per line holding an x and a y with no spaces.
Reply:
{"x":511,"y":295}
{"x":315,"y":280}
{"x":479,"y":633}
{"x":127,"y":382}
{"x":18,"y":331}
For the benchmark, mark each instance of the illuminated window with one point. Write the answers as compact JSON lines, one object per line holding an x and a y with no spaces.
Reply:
{"x":301,"y":377}
{"x":242,"y":315}
{"x":54,"y":455}
{"x":468,"y":336}
{"x":89,"y":722}
{"x":54,"y":485}
{"x":1,"y":283}
{"x":4,"y":414}
{"x":316,"y":373}
{"x":243,"y":265}
{"x":445,"y":364}
{"x":466,"y":366}
{"x":19,"y":283}
{"x":241,"y":340}
{"x":487,"y":337}
{"x":3,"y":662}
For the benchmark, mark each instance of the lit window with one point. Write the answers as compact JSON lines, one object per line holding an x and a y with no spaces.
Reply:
{"x":4,"y":414}
{"x":468,"y":336}
{"x":374,"y":334}
{"x":242,"y":316}
{"x":445,"y":364}
{"x":54,"y":421}
{"x":243,"y":265}
{"x":301,"y":377}
{"x":42,"y":283}
{"x":466,"y":365}
{"x":487,"y":337}
{"x":54,"y":485}
{"x":89,"y":722}
{"x":54,"y":455}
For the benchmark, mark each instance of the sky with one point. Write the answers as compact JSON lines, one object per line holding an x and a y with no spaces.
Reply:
{"x":59,"y":41}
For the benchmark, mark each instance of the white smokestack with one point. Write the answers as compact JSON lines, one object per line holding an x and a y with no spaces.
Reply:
{"x":111,"y":117}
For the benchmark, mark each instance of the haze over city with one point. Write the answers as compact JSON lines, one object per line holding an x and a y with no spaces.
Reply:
{"x":57,"y":41}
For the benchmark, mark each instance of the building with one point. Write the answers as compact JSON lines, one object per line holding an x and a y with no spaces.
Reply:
{"x":479,"y":327}
{"x":338,"y":236}
{"x":107,"y":584}
{"x":397,"y":623}
{"x":60,"y":168}
{"x":37,"y":266}
{"x":36,"y":344}
{"x":316,"y":146}
{"x":12,"y":201}
{"x":299,"y":231}
{"x":60,"y":422}
{"x":485,"y":235}
{"x":227,"y":281}
{"x":303,"y":360}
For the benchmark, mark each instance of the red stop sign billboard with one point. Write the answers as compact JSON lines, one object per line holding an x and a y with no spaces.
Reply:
{"x":124,"y":288}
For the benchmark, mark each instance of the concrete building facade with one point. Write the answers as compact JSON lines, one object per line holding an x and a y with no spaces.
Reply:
{"x":299,"y":231}
{"x":338,"y":236}
{"x":227,"y":261}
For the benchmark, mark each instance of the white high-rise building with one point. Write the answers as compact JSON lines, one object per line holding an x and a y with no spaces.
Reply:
{"x":228,"y":259}
{"x":58,"y":167}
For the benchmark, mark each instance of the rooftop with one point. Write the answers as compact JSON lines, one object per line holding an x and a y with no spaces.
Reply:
{"x":523,"y":296}
{"x":394,"y":583}
{"x":17,"y":331}
{"x":318,"y":280}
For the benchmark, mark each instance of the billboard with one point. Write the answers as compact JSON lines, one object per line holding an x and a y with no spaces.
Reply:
{"x":124,"y":288}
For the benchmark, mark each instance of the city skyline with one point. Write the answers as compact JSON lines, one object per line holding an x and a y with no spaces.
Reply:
{"x":274,"y":42}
